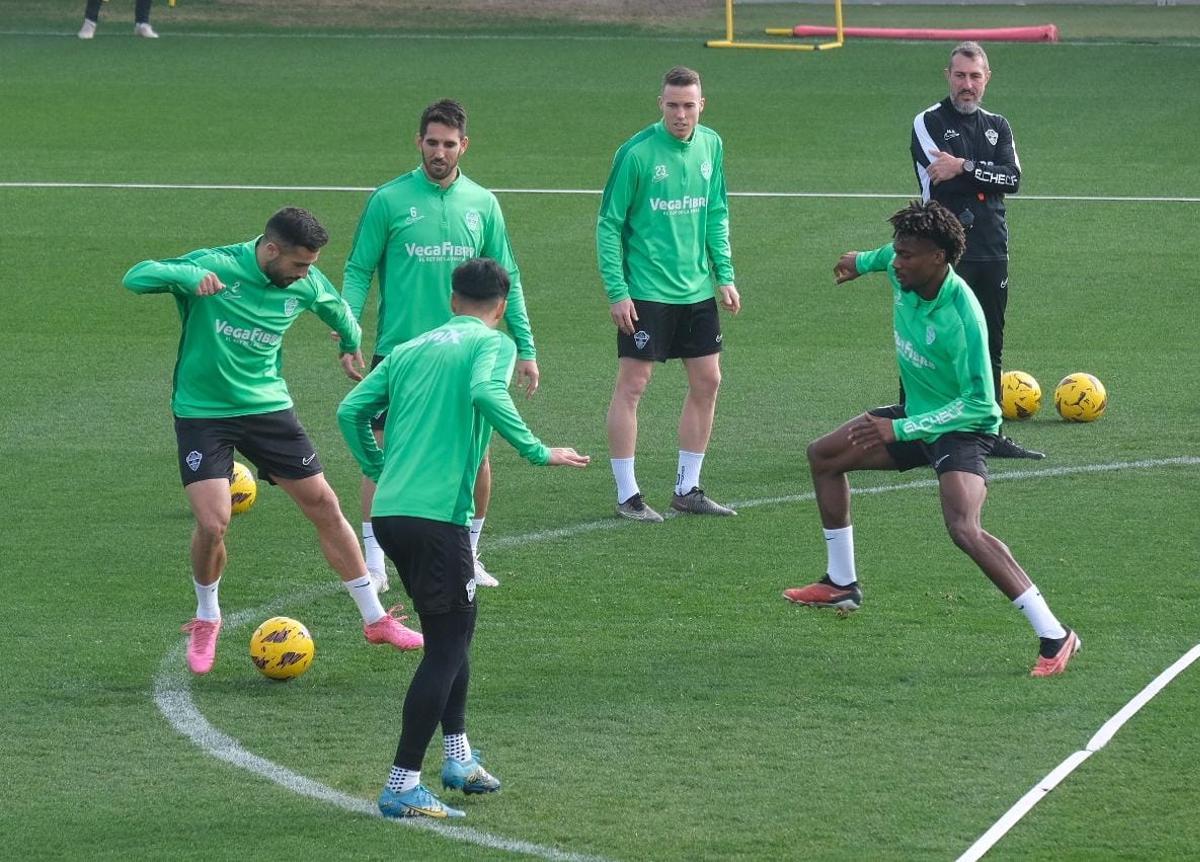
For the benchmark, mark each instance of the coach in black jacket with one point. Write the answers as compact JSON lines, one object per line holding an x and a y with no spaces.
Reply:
{"x":966,"y":160}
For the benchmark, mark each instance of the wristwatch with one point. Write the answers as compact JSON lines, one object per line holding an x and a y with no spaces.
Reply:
{"x":968,"y":166}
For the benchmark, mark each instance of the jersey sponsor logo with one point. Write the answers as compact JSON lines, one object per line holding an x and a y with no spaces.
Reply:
{"x":985,"y":176}
{"x":660,"y":173}
{"x":473,"y":221}
{"x":685,"y":205}
{"x":930,"y":334}
{"x":438,"y":336}
{"x":413,"y":216}
{"x":641,"y":338}
{"x":193,"y":460}
{"x":992,"y":135}
{"x":950,"y":135}
{"x":933,"y":421}
{"x":289,"y":305}
{"x":905,"y":350}
{"x":706,"y":170}
{"x":439,"y":251}
{"x":245,"y":336}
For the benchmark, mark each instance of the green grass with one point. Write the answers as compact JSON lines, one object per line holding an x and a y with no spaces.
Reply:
{"x":644,"y":693}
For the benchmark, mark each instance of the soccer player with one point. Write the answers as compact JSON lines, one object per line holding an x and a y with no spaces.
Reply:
{"x":966,"y":160}
{"x":445,"y":391}
{"x":235,"y":304}
{"x":413,"y":232}
{"x":662,"y":238}
{"x":949,"y":421}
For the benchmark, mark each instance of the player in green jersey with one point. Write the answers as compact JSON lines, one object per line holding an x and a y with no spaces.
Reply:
{"x":949,"y":421}
{"x":662,"y":240}
{"x":413,"y":232}
{"x":235,"y":304}
{"x":444,"y":392}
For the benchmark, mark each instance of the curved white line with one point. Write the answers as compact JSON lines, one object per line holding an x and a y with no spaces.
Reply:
{"x":172,"y":684}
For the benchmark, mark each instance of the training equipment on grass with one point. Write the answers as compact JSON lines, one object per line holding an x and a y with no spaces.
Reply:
{"x":730,"y":42}
{"x":1038,"y":33}
{"x":1080,"y":397}
{"x":243,"y":490}
{"x":1020,"y":395}
{"x":281,"y":648}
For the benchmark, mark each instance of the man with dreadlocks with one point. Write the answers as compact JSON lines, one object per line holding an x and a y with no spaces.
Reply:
{"x":949,"y":421}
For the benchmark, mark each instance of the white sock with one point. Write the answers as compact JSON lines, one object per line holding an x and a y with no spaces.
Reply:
{"x":371,"y":549}
{"x":206,"y":601}
{"x":402,"y":780}
{"x":1039,"y":614}
{"x":688,"y":476}
{"x":627,"y":485}
{"x":366,"y":598}
{"x":456,"y":747}
{"x":839,"y":546}
{"x":476,"y":529}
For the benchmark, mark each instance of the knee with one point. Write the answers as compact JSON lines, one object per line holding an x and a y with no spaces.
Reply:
{"x":631,"y":387}
{"x":212,"y":526}
{"x":323,"y":507}
{"x":705,"y":385}
{"x":819,"y":460}
{"x":964,"y":533}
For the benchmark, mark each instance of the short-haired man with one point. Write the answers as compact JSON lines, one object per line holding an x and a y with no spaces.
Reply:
{"x":236,"y":303}
{"x":662,"y":239}
{"x":966,"y":160}
{"x":444,"y":391}
{"x":949,"y":421}
{"x":413,"y":232}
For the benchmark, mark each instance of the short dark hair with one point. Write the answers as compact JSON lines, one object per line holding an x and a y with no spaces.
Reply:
{"x":681,"y":76}
{"x":293,"y":226}
{"x":970,"y":50}
{"x":447,"y":112}
{"x":932,"y":221}
{"x":480,"y":279}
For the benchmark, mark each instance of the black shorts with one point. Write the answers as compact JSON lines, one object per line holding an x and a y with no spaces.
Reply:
{"x":665,"y":331}
{"x":275,"y":443}
{"x":380,"y":418}
{"x":961,"y":451}
{"x":434,"y":560}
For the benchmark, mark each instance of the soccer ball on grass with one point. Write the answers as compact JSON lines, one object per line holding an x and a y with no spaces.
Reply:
{"x":281,"y":648}
{"x":242,"y":488}
{"x":1020,"y":395}
{"x":1080,"y":397}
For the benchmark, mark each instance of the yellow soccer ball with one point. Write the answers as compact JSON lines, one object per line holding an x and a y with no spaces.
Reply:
{"x":1020,"y":395}
{"x":243,"y":490}
{"x":282,"y":648}
{"x":1080,"y":397}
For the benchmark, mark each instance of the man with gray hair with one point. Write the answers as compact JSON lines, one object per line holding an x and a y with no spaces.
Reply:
{"x":966,"y":160}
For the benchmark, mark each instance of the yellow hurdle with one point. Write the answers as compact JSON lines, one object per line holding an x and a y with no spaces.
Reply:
{"x":730,"y":42}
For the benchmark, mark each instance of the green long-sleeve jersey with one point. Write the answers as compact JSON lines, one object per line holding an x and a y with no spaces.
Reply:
{"x":444,"y":392}
{"x":413,"y":233}
{"x":942,"y":351}
{"x":663,"y":229}
{"x":230,"y":347}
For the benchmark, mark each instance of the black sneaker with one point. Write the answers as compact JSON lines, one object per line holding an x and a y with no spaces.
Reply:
{"x":635,"y":509}
{"x":1006,"y":447}
{"x":696,"y":502}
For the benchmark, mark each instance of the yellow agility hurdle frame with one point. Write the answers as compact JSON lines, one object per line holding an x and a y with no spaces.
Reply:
{"x":730,"y":42}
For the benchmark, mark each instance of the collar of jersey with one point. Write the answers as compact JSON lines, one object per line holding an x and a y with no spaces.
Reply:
{"x":434,"y":188}
{"x":661,"y":125}
{"x":253,"y":271}
{"x":913,"y":299}
{"x":468,"y":319}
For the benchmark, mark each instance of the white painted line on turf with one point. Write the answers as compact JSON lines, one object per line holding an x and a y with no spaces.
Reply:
{"x":1055,"y":777}
{"x":240,"y":187}
{"x":172,"y":684}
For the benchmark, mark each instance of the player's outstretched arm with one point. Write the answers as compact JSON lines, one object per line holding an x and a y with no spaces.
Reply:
{"x":846,"y":269}
{"x":567,"y":457}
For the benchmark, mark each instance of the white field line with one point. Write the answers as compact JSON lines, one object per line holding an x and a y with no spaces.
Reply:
{"x":1035,"y":795}
{"x":172,"y":684}
{"x":239,"y":187}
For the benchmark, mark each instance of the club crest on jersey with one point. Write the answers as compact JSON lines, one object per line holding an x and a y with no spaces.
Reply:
{"x":660,"y":172}
{"x":641,"y":338}
{"x":193,"y":460}
{"x":950,"y":134}
{"x":289,"y":305}
{"x":473,"y":221}
{"x":930,"y":334}
{"x":706,"y":170}
{"x":992,"y":135}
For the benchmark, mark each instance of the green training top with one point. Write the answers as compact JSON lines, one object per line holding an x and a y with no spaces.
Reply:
{"x":230,"y":353}
{"x":444,"y":392}
{"x":663,"y":230}
{"x":942,"y":351}
{"x":414,"y":233}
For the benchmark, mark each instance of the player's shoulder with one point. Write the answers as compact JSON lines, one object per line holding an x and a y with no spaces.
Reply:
{"x":992,"y":118}
{"x":708,"y":135}
{"x":639,"y":141}
{"x":404,"y":185}
{"x":473,"y":192}
{"x":934,"y":113}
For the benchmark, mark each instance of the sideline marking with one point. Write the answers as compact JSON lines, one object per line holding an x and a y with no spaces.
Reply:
{"x":1060,"y":772}
{"x":173,"y":697}
{"x":235,"y":187}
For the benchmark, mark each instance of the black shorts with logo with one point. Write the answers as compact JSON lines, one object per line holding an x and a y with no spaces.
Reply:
{"x":666,"y":331}
{"x":275,"y":443}
{"x":434,"y":560}
{"x":961,"y":451}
